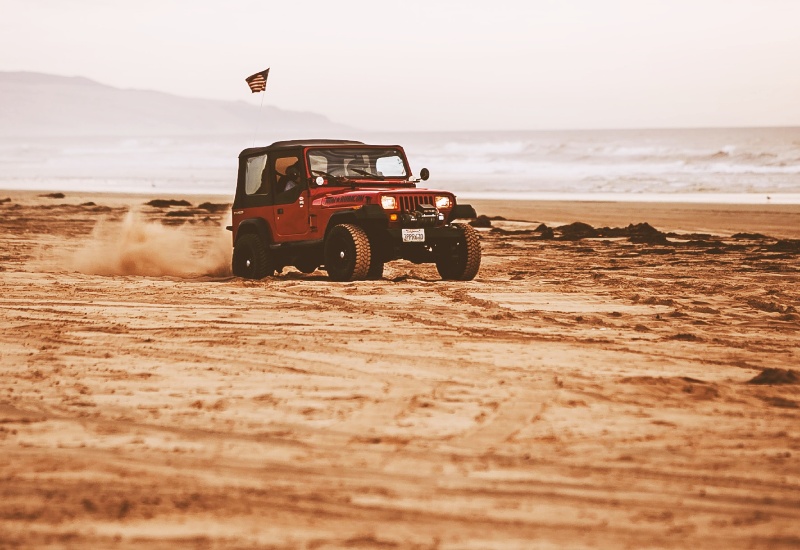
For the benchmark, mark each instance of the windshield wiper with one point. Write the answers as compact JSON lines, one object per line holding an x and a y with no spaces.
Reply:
{"x":330,"y":176}
{"x":368,"y":174}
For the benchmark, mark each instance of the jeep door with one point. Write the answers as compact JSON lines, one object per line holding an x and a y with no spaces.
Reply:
{"x":290,"y":186}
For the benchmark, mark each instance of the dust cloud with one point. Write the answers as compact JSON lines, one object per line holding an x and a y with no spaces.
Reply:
{"x":136,"y":246}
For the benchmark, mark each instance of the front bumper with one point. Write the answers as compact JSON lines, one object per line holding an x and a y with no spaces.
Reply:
{"x":433,"y":235}
{"x":389,"y":245}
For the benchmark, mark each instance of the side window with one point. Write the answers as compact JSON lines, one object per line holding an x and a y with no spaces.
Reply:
{"x":256,"y":177}
{"x":286,"y":170}
{"x":287,"y":173}
{"x":288,"y":178}
{"x":390,"y":166}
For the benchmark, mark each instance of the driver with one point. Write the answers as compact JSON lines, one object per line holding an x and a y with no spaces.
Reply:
{"x":291,"y":179}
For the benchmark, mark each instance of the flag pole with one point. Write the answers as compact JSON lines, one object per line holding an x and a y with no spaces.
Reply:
{"x":258,"y":119}
{"x":258,"y":83}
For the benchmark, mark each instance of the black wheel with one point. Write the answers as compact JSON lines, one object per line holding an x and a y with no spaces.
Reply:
{"x":250,"y":258}
{"x":375,"y":272}
{"x":307,"y":266}
{"x":347,"y":253}
{"x":461,"y":261}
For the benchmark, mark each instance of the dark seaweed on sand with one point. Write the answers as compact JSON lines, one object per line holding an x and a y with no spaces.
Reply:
{"x":167,"y":203}
{"x":776,"y":376}
{"x":212,"y":207}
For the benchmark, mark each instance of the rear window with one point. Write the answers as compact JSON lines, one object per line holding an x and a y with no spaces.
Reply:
{"x":255,"y":178}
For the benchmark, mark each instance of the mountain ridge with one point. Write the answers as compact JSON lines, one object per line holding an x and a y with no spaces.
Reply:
{"x":36,"y":104}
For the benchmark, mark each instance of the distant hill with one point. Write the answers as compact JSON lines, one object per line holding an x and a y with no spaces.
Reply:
{"x":42,"y":105}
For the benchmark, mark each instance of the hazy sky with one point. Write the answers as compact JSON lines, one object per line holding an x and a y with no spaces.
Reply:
{"x":436,"y":65}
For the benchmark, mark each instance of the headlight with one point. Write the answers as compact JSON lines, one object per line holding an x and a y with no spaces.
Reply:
{"x":389,"y":203}
{"x":442,"y":202}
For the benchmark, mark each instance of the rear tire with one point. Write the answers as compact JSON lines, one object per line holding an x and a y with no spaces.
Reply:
{"x":461,"y":261}
{"x":250,"y":258}
{"x":347,"y":253}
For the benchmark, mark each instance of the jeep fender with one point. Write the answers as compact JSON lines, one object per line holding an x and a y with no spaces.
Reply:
{"x":462,"y":212}
{"x":369,"y":216}
{"x":257,"y":226}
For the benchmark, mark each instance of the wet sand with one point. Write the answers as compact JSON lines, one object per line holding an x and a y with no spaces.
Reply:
{"x":592,"y":388}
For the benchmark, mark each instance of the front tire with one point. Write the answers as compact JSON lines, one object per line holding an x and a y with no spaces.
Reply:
{"x":461,"y":261}
{"x":250,"y":258}
{"x":347,"y":253}
{"x":307,"y":266}
{"x":375,"y":272}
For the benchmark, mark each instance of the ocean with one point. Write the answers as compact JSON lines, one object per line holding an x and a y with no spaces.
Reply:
{"x":750,"y":165}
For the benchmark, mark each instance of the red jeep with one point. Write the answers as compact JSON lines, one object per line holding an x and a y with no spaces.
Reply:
{"x":345,"y":207}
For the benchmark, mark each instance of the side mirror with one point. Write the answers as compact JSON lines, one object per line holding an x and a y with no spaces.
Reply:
{"x":424,"y":174}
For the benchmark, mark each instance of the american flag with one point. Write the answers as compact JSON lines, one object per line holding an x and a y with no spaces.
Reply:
{"x":258,"y":81}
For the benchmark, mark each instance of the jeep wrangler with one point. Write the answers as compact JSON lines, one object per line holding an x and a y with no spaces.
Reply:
{"x":345,"y":207}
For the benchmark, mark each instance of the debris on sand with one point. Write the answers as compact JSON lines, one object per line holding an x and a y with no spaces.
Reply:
{"x":781,"y":402}
{"x":786,"y":245}
{"x":167,"y":203}
{"x":685,"y":337}
{"x":545,"y":232}
{"x":53,"y":195}
{"x":576,"y":231}
{"x":481,"y":221}
{"x":769,"y":306}
{"x":646,"y":234}
{"x":7,"y":199}
{"x":642,"y":233}
{"x":749,"y":237}
{"x":212,"y":207}
{"x":776,"y":376}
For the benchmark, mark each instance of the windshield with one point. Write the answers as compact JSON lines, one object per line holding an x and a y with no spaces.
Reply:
{"x":358,"y":163}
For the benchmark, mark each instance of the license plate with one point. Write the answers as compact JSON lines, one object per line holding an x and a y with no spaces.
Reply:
{"x":413,"y":235}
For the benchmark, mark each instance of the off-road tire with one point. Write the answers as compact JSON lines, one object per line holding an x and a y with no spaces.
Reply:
{"x":306,"y":267}
{"x":347,"y":253}
{"x":375,"y":272}
{"x":461,"y":261}
{"x":251,"y":258}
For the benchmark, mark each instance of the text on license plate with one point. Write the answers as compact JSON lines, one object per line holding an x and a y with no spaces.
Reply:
{"x":413,"y":235}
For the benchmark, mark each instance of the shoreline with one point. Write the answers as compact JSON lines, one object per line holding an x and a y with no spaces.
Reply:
{"x":759,"y":198}
{"x":775,"y":220}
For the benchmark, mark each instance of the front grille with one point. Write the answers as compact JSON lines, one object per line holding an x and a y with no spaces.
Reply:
{"x":409,"y":203}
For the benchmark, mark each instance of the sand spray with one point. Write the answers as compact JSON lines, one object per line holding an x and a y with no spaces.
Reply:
{"x":135,"y":246}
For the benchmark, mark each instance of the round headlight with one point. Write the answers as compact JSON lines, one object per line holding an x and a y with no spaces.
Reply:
{"x":442,"y":202}
{"x":389,"y":203}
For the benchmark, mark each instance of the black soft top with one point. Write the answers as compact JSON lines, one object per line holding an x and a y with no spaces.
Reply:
{"x":293,"y":143}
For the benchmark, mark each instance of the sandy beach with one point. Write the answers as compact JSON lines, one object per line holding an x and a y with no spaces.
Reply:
{"x":619,"y":375}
